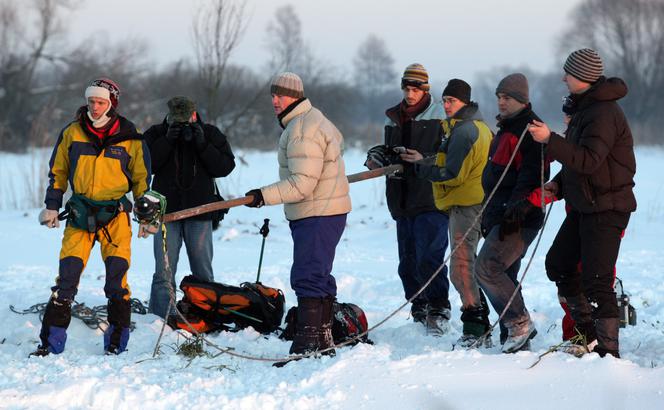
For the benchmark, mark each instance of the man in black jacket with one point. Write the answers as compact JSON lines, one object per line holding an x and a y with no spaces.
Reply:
{"x":414,"y":128}
{"x":596,"y":181}
{"x":187,"y":156}
{"x":510,"y":222}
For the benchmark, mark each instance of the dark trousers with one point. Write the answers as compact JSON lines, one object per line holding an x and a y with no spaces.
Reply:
{"x":593,"y":239}
{"x":315,"y":241}
{"x":422,"y":243}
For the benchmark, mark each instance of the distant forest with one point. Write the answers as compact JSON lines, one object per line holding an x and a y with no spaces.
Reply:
{"x":42,"y":81}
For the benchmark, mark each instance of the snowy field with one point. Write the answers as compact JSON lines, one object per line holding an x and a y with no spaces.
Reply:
{"x":405,"y":369}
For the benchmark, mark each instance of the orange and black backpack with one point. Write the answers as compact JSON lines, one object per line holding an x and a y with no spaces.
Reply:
{"x":211,"y":306}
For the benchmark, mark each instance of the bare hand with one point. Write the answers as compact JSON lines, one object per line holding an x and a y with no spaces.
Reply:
{"x":411,"y":155}
{"x":540,"y":131}
{"x":550,"y":189}
{"x":49,"y":218}
{"x":145,"y":230}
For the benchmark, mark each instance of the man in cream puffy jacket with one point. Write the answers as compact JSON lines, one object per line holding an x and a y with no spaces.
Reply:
{"x":314,"y":190}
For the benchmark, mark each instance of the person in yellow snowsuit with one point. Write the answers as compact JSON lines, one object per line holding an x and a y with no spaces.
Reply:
{"x":101,"y":156}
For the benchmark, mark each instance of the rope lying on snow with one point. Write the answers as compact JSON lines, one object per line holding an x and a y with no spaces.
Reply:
{"x":231,"y":352}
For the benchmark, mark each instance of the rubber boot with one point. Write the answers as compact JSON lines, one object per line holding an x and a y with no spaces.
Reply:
{"x":116,"y":335}
{"x":608,"y":330}
{"x":53,"y":334}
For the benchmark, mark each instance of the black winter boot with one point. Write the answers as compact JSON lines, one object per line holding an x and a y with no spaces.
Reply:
{"x":116,"y":335}
{"x":53,"y":334}
{"x":608,"y":330}
{"x":325,"y":339}
{"x":581,"y":312}
{"x":309,"y":330}
{"x":309,"y":321}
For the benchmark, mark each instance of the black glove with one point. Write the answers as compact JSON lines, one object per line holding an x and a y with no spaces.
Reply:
{"x":513,"y":218}
{"x":199,"y":136}
{"x":258,"y":201}
{"x":380,"y":155}
{"x":173,"y":132}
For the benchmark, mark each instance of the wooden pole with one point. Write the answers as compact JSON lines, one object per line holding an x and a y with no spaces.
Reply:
{"x":231,"y":203}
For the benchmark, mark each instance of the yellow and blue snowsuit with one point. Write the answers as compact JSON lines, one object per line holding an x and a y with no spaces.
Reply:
{"x":100,"y":170}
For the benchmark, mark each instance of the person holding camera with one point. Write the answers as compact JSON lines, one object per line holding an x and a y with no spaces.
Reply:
{"x":413,"y":129}
{"x":456,"y":175}
{"x":101,"y":157}
{"x":187,"y":155}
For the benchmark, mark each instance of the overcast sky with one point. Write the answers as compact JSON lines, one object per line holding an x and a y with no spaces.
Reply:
{"x":450,"y":38}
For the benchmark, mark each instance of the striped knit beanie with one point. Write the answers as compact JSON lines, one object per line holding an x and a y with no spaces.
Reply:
{"x":287,"y":84}
{"x":584,"y":64}
{"x":104,"y":88}
{"x":415,"y":75}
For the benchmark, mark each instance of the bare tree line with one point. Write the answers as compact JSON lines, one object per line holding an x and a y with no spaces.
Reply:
{"x":42,"y":76}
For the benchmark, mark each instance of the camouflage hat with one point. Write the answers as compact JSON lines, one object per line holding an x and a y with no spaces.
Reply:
{"x":180,"y":109}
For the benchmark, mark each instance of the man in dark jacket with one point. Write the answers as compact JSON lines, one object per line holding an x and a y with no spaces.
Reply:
{"x":413,"y":127}
{"x":596,"y":181}
{"x":187,"y":156}
{"x":510,"y":222}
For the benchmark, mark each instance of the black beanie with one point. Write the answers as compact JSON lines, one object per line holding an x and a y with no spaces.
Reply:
{"x":458,"y":89}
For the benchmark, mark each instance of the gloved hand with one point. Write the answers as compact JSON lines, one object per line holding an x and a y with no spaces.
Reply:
{"x":377,"y":157}
{"x":513,"y":218}
{"x":173,"y":132}
{"x":199,"y":136}
{"x":49,"y":218}
{"x":258,"y":201}
{"x":145,"y":230}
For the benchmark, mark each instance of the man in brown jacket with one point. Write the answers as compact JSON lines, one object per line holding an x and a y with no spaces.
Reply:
{"x":314,"y":190}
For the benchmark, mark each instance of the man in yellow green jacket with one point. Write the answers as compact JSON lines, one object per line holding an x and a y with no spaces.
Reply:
{"x":456,"y":176}
{"x":102,"y":157}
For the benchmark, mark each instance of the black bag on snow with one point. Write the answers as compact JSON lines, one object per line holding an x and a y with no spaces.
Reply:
{"x":348,"y":321}
{"x":211,"y":306}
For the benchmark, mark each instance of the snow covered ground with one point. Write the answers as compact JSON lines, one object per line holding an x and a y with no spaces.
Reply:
{"x":404,"y":369}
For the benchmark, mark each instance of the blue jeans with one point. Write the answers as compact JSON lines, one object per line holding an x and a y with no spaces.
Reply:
{"x":422,"y":243}
{"x":315,"y":241}
{"x":497,"y":267}
{"x":197,"y":237}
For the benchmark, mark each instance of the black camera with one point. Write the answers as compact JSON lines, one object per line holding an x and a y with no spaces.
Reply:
{"x":185,"y":131}
{"x":627,"y":313}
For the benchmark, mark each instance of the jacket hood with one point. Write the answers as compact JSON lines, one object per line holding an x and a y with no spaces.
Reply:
{"x":608,"y":89}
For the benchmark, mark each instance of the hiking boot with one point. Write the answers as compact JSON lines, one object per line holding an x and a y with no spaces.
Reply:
{"x":418,"y":310}
{"x":518,"y":338}
{"x":475,"y":325}
{"x":608,"y":330}
{"x":470,"y":341}
{"x":40,"y":352}
{"x":438,"y":321}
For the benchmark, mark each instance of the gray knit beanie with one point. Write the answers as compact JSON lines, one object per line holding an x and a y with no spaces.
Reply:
{"x":516,"y":86}
{"x":584,"y":64}
{"x":287,"y":84}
